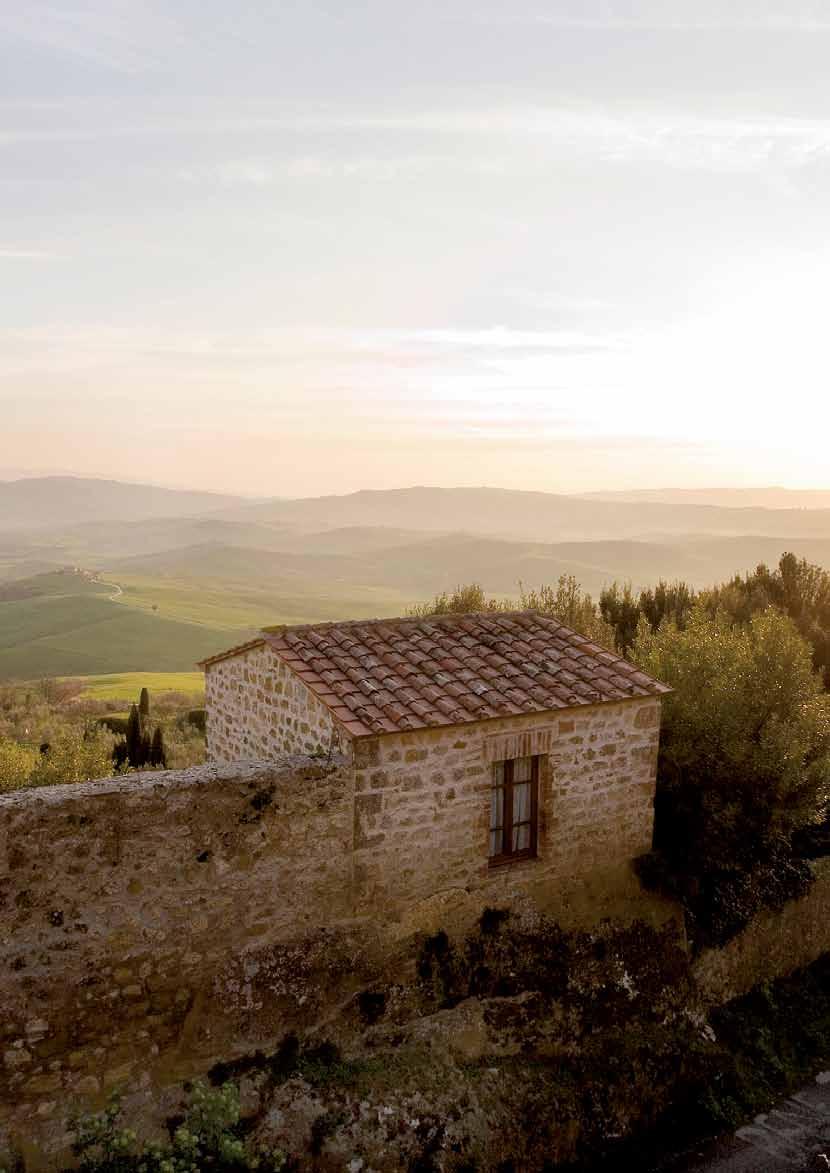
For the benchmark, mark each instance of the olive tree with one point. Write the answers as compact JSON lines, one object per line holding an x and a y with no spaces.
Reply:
{"x":744,"y":761}
{"x":74,"y":756}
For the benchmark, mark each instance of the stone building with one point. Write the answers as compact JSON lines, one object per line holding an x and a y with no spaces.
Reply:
{"x":491,"y":754}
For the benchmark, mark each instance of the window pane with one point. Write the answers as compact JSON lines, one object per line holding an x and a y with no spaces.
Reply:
{"x":522,"y":769}
{"x":521,"y":837}
{"x":496,"y":807}
{"x":495,"y":843}
{"x":498,"y":773}
{"x":521,"y":803}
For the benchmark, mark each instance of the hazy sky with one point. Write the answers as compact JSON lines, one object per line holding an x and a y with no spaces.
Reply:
{"x":294,"y":247}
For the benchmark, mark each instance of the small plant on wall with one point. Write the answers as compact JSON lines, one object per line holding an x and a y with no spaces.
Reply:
{"x":209,"y":1138}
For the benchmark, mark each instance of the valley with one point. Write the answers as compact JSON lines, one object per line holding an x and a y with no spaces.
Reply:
{"x":182,"y":575}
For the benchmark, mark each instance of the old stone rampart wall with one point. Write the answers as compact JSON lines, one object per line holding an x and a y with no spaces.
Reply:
{"x":152,"y":924}
{"x":773,"y":945}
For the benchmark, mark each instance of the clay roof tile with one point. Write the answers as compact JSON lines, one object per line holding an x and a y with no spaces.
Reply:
{"x":406,"y":674}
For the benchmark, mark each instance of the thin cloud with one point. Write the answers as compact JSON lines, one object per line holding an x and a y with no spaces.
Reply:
{"x":119,"y":35}
{"x":28,"y":254}
{"x":669,"y":16}
{"x":674,"y":138}
{"x":770,"y":24}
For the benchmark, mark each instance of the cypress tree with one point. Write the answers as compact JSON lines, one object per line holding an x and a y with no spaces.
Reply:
{"x":134,"y":737}
{"x":158,"y":754}
{"x":144,"y":703}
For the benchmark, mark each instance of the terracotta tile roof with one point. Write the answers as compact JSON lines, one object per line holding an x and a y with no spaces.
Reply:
{"x":392,"y":675}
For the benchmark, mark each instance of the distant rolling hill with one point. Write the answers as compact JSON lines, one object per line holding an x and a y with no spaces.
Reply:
{"x":529,"y":516}
{"x":769,"y":497}
{"x":419,"y":569}
{"x":41,"y":502}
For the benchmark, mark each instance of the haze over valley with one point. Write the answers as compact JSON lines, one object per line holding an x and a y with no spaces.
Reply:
{"x":168,"y":577}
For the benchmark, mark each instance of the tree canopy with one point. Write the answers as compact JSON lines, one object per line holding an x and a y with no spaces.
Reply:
{"x":566,"y":602}
{"x":796,"y":587}
{"x":744,"y":761}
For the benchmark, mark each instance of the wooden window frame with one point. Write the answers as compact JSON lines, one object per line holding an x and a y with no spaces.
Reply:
{"x":530,"y":852}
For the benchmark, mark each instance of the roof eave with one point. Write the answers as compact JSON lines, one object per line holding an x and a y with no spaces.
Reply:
{"x":260,"y":641}
{"x":622,"y":700}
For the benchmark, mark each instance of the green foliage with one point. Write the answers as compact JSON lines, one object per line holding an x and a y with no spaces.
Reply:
{"x":798,"y":588}
{"x":115,"y":724}
{"x":209,"y":1138}
{"x":16,"y":764}
{"x":56,"y":713}
{"x":135,"y":738}
{"x":74,"y":756}
{"x":463,"y":600}
{"x":140,"y":747}
{"x":747,"y":713}
{"x":198,"y":719}
{"x":668,"y":600}
{"x":744,"y":762}
{"x":625,"y":613}
{"x":621,"y":611}
{"x":615,"y":971}
{"x":770,"y":1042}
{"x":158,"y":757}
{"x":572,"y":606}
{"x":566,"y":602}
{"x":319,"y":1063}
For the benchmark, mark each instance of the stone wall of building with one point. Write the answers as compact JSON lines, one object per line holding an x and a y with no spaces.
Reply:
{"x":422,"y":810}
{"x":773,"y":945}
{"x":152,"y":924}
{"x":258,"y":709}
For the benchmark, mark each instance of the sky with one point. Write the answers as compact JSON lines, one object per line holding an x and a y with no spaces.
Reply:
{"x":286,"y":247}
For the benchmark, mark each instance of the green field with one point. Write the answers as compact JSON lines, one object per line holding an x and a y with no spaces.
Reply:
{"x":233,"y":606}
{"x":126,"y":686}
{"x":67,"y":627}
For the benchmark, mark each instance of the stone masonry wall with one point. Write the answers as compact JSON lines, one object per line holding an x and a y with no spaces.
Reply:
{"x":258,"y":709}
{"x":772,"y":945}
{"x":152,"y":924}
{"x":422,"y":808}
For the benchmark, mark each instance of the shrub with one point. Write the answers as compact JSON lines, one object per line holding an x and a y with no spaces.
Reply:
{"x":372,"y":1005}
{"x":16,"y":764}
{"x":74,"y":756}
{"x":209,"y":1137}
{"x":197,"y":718}
{"x":114,"y":724}
{"x":566,"y":602}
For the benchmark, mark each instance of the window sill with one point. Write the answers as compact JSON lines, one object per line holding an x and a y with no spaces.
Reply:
{"x":505,"y":861}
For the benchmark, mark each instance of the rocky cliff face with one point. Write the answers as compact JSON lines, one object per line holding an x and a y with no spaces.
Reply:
{"x":517,"y":1047}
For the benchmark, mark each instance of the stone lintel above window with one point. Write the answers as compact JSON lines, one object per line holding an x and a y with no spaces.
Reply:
{"x":522,"y":743}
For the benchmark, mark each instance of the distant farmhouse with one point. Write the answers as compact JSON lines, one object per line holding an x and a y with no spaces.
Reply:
{"x":490,"y":753}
